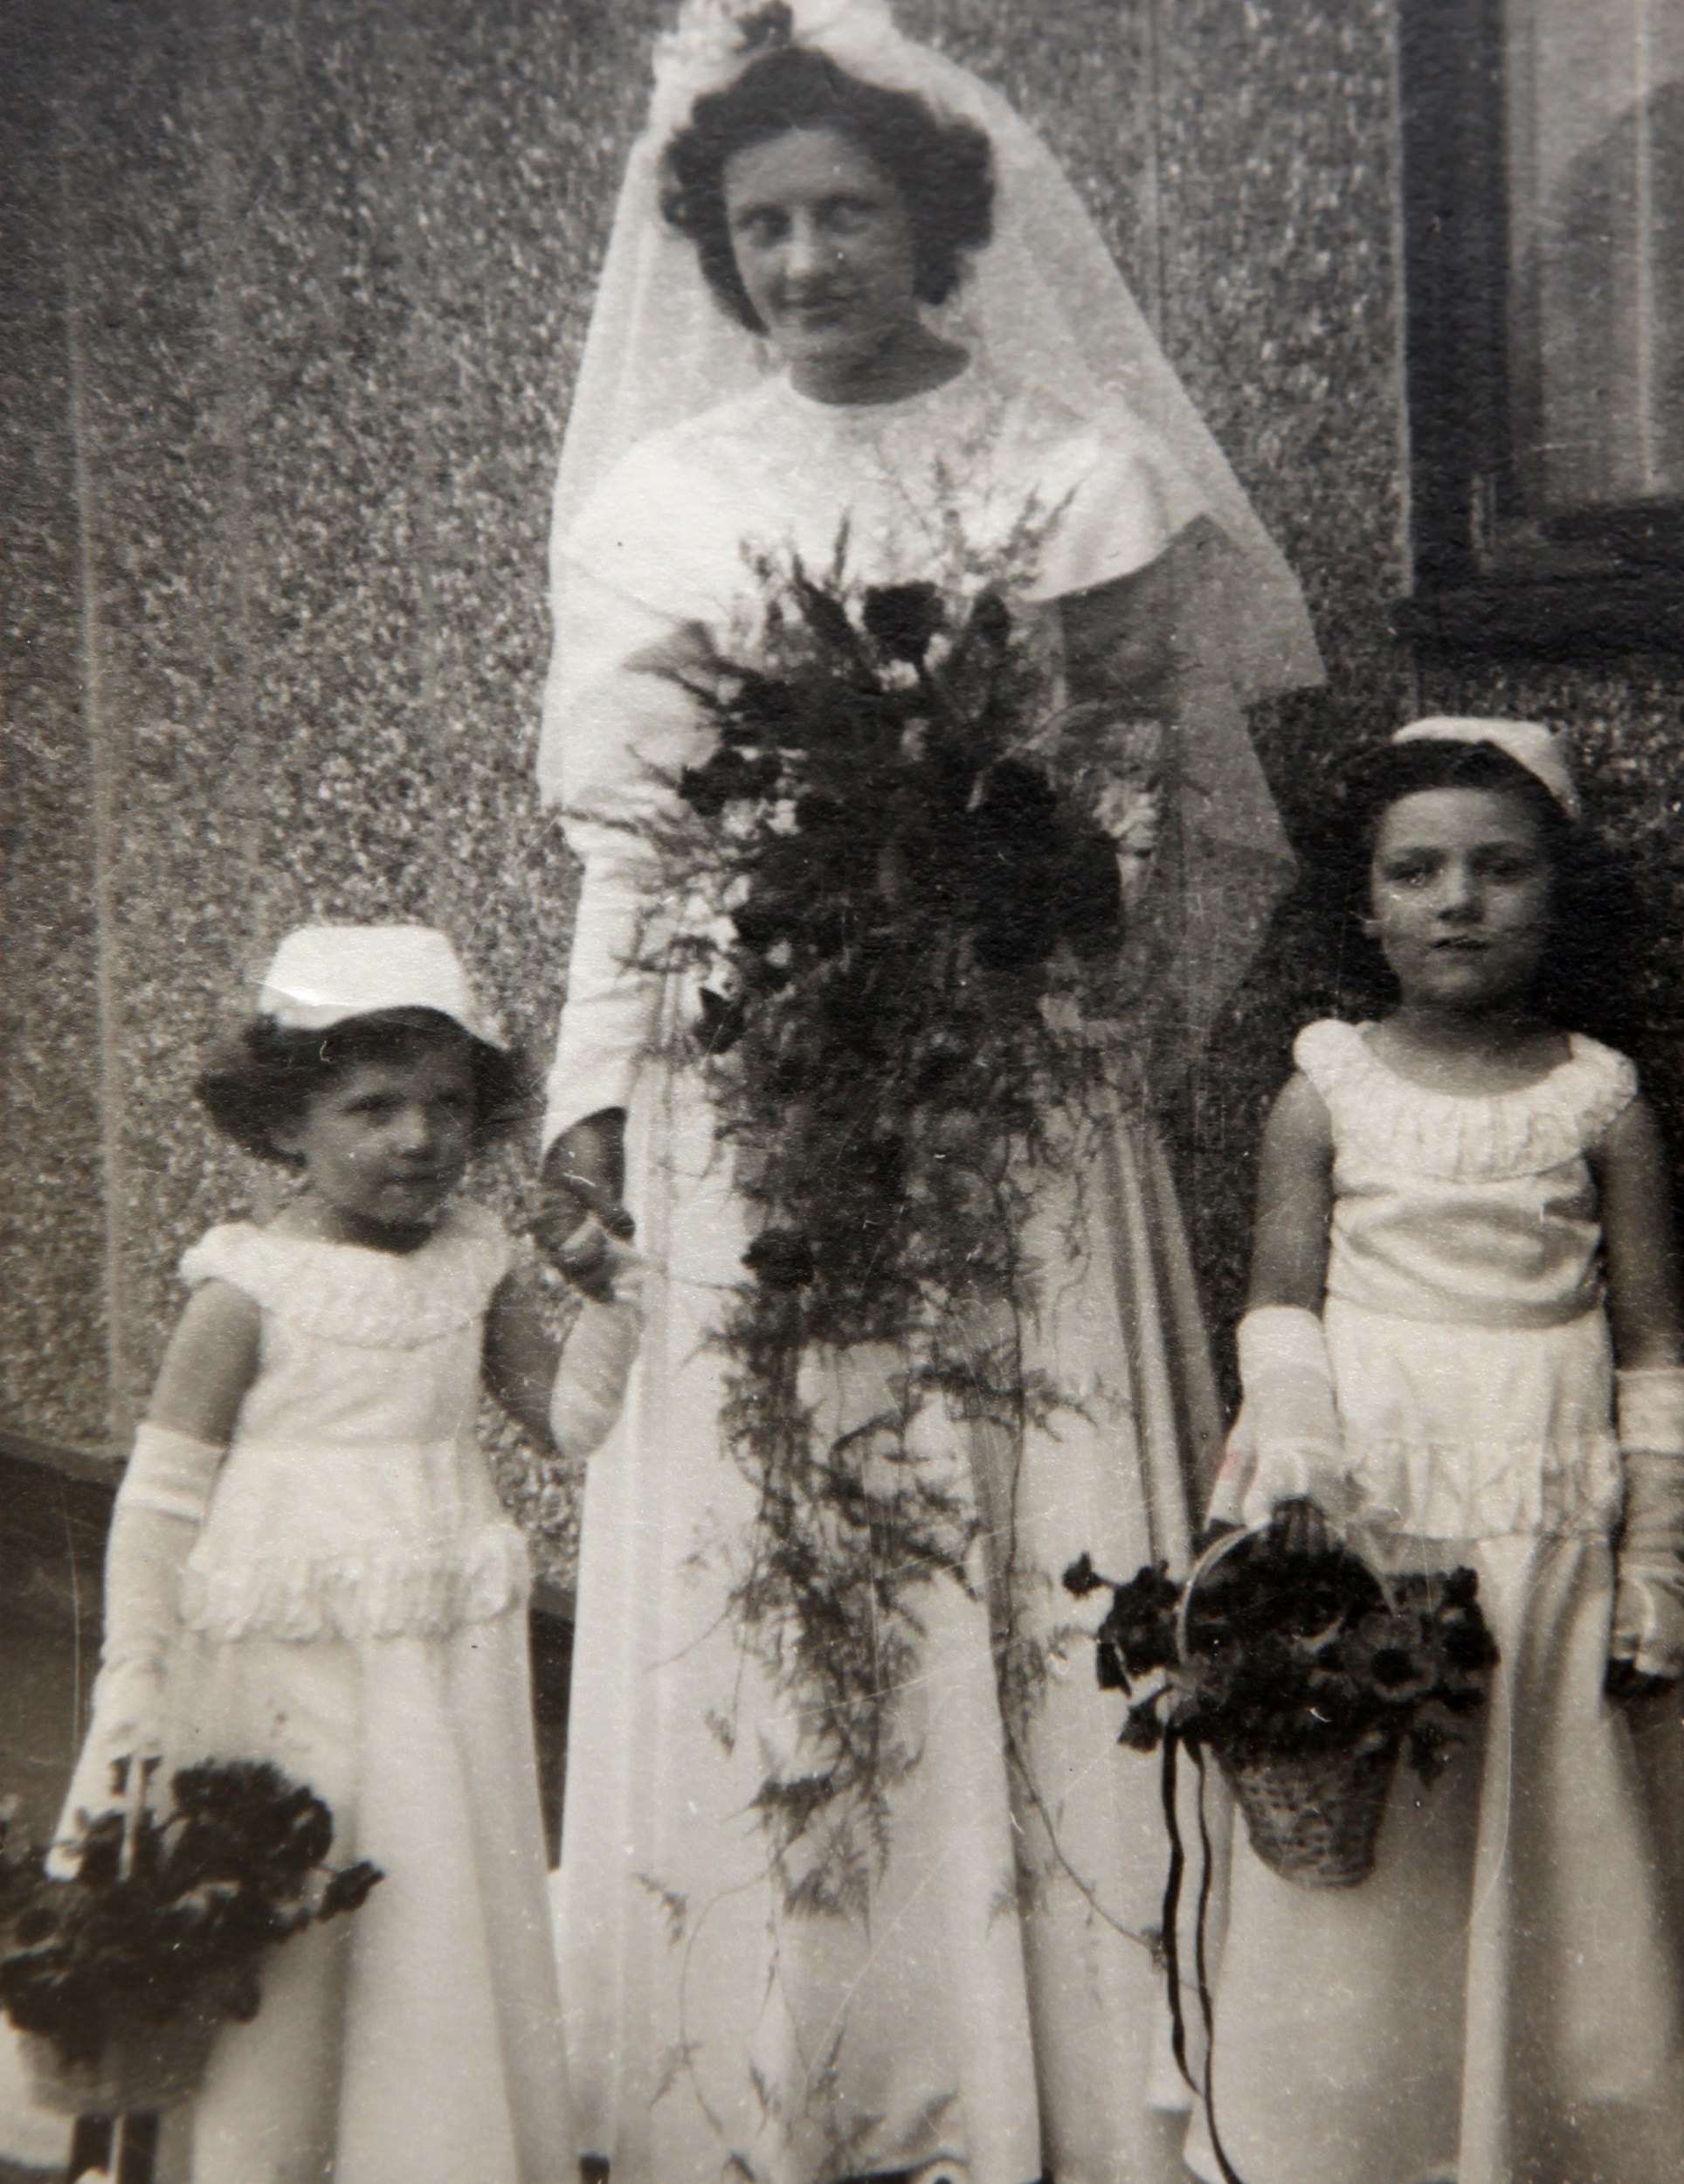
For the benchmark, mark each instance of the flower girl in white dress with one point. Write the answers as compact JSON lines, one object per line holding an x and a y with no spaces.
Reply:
{"x":309,"y":1565}
{"x":1462,"y":1232}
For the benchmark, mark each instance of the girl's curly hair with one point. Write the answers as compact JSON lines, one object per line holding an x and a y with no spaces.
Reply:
{"x":1589,"y":977}
{"x":944,"y":169}
{"x":262,"y":1078}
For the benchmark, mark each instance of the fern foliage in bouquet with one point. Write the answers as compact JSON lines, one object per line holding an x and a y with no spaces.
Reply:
{"x":902,"y":890}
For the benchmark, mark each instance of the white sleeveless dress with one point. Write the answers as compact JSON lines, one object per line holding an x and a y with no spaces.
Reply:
{"x":355,"y":1611}
{"x":1500,"y":2003}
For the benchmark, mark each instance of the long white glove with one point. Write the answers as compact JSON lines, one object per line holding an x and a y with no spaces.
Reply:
{"x":1286,"y":1444}
{"x":1649,"y":1586}
{"x":160,"y":1507}
{"x":597,"y":1361}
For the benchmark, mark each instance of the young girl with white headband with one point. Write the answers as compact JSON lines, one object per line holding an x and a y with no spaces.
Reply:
{"x":1462,"y":1348}
{"x":309,"y":1565}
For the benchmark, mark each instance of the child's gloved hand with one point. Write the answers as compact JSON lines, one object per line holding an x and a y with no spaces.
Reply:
{"x":1286,"y":1446}
{"x":126,"y":1731}
{"x":1646,"y":1646}
{"x":597,"y":1356}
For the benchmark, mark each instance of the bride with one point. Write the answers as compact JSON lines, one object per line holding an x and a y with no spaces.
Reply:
{"x":850,"y":305}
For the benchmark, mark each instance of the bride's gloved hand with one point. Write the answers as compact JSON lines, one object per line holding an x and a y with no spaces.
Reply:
{"x":581,"y":1215}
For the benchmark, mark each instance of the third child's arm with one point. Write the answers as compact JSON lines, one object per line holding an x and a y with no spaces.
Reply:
{"x":1295,"y":1200}
{"x":1643,"y":1306}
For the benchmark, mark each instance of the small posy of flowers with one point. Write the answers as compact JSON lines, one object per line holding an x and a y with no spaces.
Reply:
{"x":1289,"y":1654}
{"x":236,"y":1866}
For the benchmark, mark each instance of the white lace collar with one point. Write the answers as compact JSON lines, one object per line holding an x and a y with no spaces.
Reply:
{"x":1460,"y":1135}
{"x":346,"y":1293}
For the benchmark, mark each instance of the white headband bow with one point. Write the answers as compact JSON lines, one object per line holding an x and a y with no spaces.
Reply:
{"x":1526,"y":742}
{"x":715,"y":41}
{"x":323,"y":974}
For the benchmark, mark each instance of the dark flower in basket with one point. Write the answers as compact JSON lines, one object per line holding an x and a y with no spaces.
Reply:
{"x":903,"y":618}
{"x":1288,"y":1655}
{"x":236,"y":1867}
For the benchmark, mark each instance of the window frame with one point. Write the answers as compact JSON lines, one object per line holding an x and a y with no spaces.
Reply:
{"x":1618,"y":585}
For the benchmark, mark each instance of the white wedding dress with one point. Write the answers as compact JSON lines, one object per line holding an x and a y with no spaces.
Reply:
{"x":999,"y":2005}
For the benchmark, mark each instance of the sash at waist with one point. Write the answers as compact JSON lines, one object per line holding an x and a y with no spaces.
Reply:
{"x":1403,"y":1299}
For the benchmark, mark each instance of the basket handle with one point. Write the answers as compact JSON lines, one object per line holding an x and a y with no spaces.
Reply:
{"x":1220,"y":1548}
{"x":137,"y":1777}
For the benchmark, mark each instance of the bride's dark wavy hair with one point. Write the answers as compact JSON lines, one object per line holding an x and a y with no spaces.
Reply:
{"x":944,"y":169}
{"x":1590,"y":977}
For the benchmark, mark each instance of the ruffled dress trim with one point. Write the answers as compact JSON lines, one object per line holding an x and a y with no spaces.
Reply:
{"x":1487,"y":1490}
{"x":355,"y":1503}
{"x":345,"y":1293}
{"x":426,"y":1593}
{"x":1461,"y":1138}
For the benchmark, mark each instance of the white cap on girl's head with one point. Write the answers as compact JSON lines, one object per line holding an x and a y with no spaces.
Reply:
{"x":1527,"y":742}
{"x":322,"y":974}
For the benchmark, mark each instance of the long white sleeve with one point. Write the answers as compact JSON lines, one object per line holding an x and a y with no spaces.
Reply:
{"x":160,"y":1507}
{"x":622,"y":725}
{"x":1648,"y":1627}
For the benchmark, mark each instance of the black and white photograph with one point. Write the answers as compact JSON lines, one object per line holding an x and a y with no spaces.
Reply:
{"x":843,"y":1047}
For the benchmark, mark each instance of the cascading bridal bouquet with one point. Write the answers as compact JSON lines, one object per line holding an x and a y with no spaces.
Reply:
{"x":905,"y":888}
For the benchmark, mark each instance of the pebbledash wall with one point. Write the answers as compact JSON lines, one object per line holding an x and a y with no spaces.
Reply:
{"x":294,"y":291}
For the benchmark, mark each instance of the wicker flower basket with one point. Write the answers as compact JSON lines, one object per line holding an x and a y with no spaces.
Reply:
{"x":1317,"y":1818}
{"x":1313,"y":1817}
{"x":146,"y":2066}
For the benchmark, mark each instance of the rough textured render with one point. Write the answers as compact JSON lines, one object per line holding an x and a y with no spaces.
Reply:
{"x":294,"y":293}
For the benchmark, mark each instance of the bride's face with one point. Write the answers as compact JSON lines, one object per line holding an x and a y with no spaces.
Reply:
{"x":824,"y":249}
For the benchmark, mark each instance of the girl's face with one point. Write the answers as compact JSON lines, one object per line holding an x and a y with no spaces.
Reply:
{"x":825,"y":251}
{"x":385,"y":1143}
{"x":1460,"y":885}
